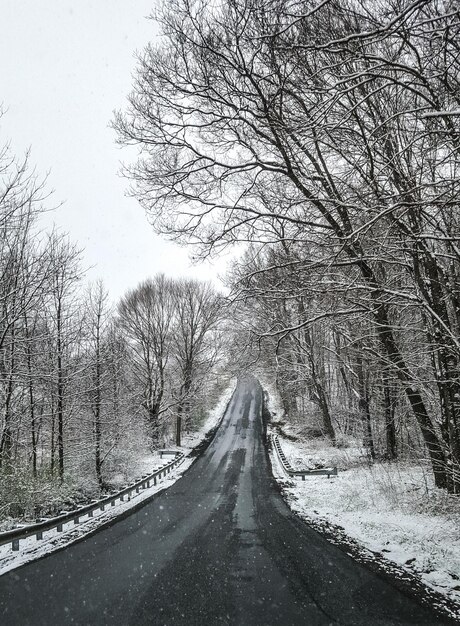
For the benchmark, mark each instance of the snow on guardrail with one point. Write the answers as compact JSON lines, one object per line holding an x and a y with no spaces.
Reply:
{"x":324,"y":471}
{"x":16,"y":534}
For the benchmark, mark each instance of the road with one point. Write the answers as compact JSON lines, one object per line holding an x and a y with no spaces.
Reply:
{"x":218,"y":547}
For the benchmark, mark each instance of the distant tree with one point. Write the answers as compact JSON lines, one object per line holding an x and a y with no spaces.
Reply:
{"x":98,"y":324}
{"x":146,"y":317}
{"x":65,"y":328}
{"x":198,"y":310}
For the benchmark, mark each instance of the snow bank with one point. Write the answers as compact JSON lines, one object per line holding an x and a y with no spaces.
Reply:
{"x":193,"y":439}
{"x":393,"y":510}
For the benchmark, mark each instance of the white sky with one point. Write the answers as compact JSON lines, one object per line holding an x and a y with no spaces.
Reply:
{"x":65,"y":65}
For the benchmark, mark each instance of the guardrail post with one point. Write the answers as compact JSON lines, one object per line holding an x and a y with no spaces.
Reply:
{"x":90,"y":514}
{"x":154,"y":480}
{"x":39,"y":534}
{"x":59,"y":527}
{"x":76,"y":520}
{"x":102,"y":507}
{"x":15,"y":545}
{"x":112,"y":503}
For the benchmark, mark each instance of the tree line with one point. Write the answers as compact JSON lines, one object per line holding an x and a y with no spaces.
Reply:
{"x":85,"y":384}
{"x":326,"y":134}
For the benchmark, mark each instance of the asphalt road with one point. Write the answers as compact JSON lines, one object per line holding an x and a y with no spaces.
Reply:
{"x":218,"y":547}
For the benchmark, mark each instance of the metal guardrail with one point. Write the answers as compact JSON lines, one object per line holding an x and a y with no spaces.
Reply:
{"x":284,"y":462}
{"x":167,"y":453}
{"x":326,"y":471}
{"x":37,"y":529}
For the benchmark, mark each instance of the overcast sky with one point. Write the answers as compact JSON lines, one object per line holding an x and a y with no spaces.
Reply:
{"x":64,"y":67}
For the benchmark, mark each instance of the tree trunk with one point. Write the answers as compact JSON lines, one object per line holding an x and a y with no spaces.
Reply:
{"x":33,"y":430}
{"x":60,"y":399}
{"x":320,"y":393}
{"x":154,"y":426}
{"x":390,"y":430}
{"x":364,"y":408}
{"x":52,"y":442}
{"x":179,"y":426}
{"x":449,"y":393}
{"x":30,"y":385}
{"x":6,"y":443}
{"x":97,"y":408}
{"x":323,"y":404}
{"x":385,"y":334}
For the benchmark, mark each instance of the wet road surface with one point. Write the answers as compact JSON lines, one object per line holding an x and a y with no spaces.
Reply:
{"x":218,"y":547}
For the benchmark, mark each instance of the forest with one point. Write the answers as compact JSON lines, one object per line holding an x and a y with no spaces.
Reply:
{"x":85,"y":384}
{"x":324,"y":137}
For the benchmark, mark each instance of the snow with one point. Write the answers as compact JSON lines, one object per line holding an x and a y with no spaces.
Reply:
{"x":193,"y":439}
{"x":31,"y":549}
{"x":393,"y":510}
{"x":454,"y":112}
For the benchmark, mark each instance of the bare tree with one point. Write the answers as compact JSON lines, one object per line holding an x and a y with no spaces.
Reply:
{"x":98,"y":318}
{"x":334,"y":125}
{"x":23,"y":273}
{"x":146,"y":315}
{"x":65,"y":334}
{"x":198,"y":309}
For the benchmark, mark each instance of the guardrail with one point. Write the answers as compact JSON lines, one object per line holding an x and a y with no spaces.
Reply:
{"x":37,"y":529}
{"x":325,"y":471}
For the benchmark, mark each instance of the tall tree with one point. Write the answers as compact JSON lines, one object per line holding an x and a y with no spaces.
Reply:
{"x":97,"y":320}
{"x":146,"y":316}
{"x":335,"y":124}
{"x":198,"y":309}
{"x":65,"y":330}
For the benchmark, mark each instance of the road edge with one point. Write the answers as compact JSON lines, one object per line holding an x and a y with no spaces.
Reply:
{"x":406,"y":582}
{"x":194,"y":454}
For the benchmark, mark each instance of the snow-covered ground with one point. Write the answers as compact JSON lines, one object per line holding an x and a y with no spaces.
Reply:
{"x":393,"y":510}
{"x":31,"y":549}
{"x":193,"y":439}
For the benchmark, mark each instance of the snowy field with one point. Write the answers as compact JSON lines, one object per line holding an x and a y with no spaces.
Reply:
{"x":392,"y":510}
{"x":31,"y":549}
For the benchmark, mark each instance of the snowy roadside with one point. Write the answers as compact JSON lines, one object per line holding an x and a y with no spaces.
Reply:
{"x":31,"y":549}
{"x":192,"y":440}
{"x":391,"y":513}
